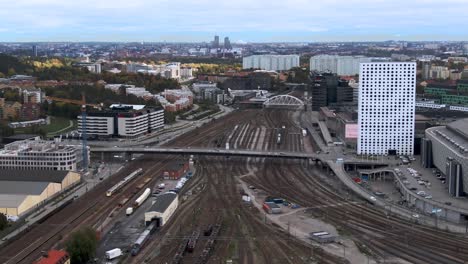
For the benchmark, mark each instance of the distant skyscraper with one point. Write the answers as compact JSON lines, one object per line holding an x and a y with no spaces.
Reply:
{"x":387,"y":93}
{"x":216,"y":42}
{"x":34,"y":50}
{"x":426,"y":70}
{"x":227,"y":43}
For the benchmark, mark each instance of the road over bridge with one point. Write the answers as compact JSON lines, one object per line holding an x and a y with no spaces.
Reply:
{"x":236,"y":152}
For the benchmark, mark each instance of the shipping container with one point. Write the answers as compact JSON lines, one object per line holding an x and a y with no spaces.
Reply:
{"x":113,"y":253}
{"x":129,"y":211}
{"x":142,"y":197}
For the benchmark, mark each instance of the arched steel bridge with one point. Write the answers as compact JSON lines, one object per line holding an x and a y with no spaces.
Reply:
{"x":284,"y":101}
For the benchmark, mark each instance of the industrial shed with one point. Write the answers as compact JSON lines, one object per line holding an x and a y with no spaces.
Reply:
{"x":162,"y":209}
{"x":23,"y":190}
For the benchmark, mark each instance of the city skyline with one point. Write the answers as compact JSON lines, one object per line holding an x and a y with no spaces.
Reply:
{"x":178,"y":21}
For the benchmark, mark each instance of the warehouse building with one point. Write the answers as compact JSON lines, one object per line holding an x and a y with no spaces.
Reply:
{"x":446,"y":148}
{"x":123,"y":121}
{"x":162,"y":209}
{"x":23,"y":190}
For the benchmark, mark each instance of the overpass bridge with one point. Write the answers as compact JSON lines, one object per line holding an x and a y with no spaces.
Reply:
{"x":322,"y":157}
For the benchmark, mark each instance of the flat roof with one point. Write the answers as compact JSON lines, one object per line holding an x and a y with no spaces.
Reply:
{"x":21,"y":137}
{"x":460,"y":127}
{"x":18,"y":175}
{"x":22,"y":188}
{"x":162,"y":202}
{"x":11,"y":200}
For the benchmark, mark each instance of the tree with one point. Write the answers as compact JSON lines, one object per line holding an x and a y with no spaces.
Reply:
{"x":82,"y":245}
{"x":3,"y":221}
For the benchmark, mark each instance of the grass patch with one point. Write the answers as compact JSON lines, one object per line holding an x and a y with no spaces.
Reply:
{"x":56,"y":124}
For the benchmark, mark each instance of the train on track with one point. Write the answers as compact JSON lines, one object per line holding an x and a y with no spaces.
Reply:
{"x":123,"y":182}
{"x":143,"y":238}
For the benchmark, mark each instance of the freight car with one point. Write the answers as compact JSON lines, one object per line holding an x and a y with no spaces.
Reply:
{"x":142,"y":198}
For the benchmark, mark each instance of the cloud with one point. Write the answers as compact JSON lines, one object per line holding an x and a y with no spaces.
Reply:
{"x":259,"y":20}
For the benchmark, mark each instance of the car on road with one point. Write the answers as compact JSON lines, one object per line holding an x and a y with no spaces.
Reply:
{"x":428,"y":197}
{"x":413,"y":188}
{"x":373,"y":199}
{"x":415,"y":216}
{"x":421,"y":193}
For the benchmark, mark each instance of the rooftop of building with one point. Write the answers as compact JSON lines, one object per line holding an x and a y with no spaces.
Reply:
{"x":176,"y":165}
{"x":19,"y":137}
{"x":21,"y":188}
{"x":123,"y":109}
{"x":21,"y":175}
{"x":453,"y":135}
{"x":53,"y":256}
{"x":162,"y":202}
{"x":12,"y":200}
{"x":38,"y":146}
{"x":460,"y":127}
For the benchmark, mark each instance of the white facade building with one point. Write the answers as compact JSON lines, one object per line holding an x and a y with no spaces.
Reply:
{"x":386,"y":108}
{"x":271,"y":62}
{"x":341,"y":65}
{"x":33,"y":95}
{"x":39,"y":154}
{"x":123,"y":120}
{"x":186,"y":72}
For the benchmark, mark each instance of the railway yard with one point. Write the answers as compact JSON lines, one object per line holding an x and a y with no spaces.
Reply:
{"x":213,"y":224}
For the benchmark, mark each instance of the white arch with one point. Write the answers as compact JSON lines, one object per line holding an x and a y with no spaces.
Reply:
{"x":283,"y":100}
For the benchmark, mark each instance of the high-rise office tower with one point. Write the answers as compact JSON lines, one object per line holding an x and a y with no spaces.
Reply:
{"x":216,"y":42}
{"x":227,"y":43}
{"x":387,"y":93}
{"x":34,"y":50}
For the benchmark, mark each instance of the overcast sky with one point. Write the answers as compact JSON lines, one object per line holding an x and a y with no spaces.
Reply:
{"x":241,"y":20}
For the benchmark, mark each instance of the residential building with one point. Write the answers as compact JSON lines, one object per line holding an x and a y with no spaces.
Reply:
{"x":30,"y":111}
{"x":271,"y":62}
{"x":170,"y":70}
{"x":33,"y":96}
{"x":123,"y":121}
{"x":176,"y":100}
{"x":94,"y":67}
{"x":186,"y":72}
{"x":340,"y":65}
{"x":439,"y":72}
{"x":138,"y":91}
{"x":11,"y":110}
{"x":387,"y":95}
{"x":39,"y":154}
